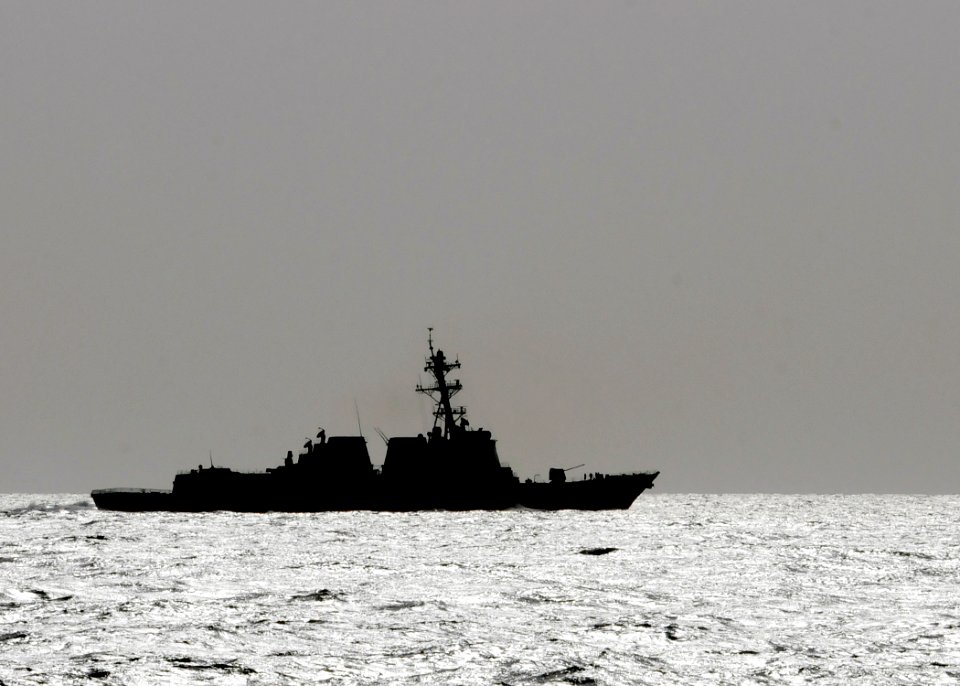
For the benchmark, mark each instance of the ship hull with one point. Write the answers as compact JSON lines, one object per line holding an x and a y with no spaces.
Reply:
{"x":614,"y":492}
{"x":610,"y":492}
{"x":134,"y":500}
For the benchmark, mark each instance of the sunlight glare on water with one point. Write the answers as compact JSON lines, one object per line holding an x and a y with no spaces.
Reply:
{"x":694,"y":589}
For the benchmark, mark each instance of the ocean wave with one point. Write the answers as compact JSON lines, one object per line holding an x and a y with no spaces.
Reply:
{"x":17,"y":504}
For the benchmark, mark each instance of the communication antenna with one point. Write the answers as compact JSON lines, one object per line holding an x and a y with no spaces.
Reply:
{"x":211,"y":458}
{"x":356,"y":407}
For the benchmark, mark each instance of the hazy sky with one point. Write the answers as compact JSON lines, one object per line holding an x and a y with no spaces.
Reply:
{"x":720,"y":239}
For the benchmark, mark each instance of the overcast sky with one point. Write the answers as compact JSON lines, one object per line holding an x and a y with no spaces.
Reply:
{"x":717,"y":239}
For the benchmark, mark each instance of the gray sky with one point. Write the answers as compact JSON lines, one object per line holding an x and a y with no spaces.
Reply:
{"x":718,"y":239}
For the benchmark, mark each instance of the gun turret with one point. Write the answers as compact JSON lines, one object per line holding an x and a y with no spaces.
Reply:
{"x":559,"y":474}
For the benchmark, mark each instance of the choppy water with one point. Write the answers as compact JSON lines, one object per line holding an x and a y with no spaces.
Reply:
{"x":699,"y":589}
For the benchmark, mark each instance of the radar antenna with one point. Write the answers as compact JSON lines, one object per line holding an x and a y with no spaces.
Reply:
{"x":443,"y":389}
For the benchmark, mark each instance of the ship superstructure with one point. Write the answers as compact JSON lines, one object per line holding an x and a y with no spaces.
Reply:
{"x":453,"y":467}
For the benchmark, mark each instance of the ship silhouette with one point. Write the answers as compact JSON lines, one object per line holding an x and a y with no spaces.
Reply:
{"x":452,"y":467}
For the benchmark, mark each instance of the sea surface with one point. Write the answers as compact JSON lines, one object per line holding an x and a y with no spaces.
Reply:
{"x":680,"y":589}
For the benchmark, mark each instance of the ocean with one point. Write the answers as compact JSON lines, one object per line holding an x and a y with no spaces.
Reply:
{"x":680,"y":589}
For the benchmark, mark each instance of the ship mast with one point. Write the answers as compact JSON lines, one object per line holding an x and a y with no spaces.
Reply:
{"x":443,"y":389}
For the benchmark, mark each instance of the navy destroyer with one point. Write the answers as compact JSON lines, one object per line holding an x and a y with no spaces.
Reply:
{"x":452,"y":467}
